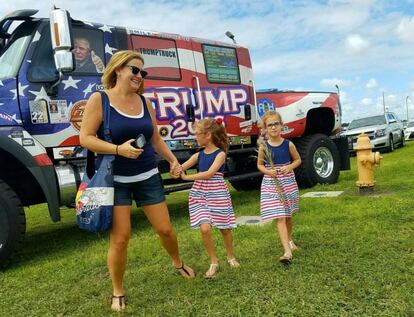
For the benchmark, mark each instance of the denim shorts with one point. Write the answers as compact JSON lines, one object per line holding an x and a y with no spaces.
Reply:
{"x":146,"y":192}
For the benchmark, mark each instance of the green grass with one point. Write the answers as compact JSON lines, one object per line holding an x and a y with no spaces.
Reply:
{"x":356,"y":259}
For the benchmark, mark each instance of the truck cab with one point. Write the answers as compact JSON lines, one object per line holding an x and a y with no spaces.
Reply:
{"x":50,"y":66}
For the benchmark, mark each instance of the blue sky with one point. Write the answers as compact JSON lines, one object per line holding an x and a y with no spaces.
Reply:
{"x":364,"y":46}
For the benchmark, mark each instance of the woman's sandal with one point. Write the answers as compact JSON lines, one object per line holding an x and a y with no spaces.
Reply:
{"x":121,"y":300}
{"x":233,"y":263}
{"x":211,"y":271}
{"x":186,"y":271}
{"x":286,"y":258}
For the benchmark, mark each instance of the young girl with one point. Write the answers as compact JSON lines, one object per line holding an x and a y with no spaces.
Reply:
{"x":279,"y":192}
{"x":209,"y":200}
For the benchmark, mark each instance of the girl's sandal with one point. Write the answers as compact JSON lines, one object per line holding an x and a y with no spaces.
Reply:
{"x":286,"y":258}
{"x":211,"y":271}
{"x":118,"y":303}
{"x":233,"y":263}
{"x":185,"y":271}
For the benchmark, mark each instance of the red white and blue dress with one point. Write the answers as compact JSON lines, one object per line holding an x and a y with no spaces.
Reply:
{"x":209,"y":200}
{"x":284,"y":202}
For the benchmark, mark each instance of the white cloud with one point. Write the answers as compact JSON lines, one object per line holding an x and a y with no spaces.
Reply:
{"x":405,"y":30}
{"x":366,"y":101}
{"x":371,"y":84}
{"x":391,"y":99}
{"x":305,"y":44}
{"x":355,"y":43}
{"x":331,"y":82}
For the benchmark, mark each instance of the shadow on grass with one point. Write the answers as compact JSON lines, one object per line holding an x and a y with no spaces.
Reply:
{"x":49,"y":239}
{"x":58,"y":239}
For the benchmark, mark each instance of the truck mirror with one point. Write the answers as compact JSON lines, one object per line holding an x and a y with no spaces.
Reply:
{"x":247,"y":112}
{"x":61,"y":35}
{"x":189,"y":110}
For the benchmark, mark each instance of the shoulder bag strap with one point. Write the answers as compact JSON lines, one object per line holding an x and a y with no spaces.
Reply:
{"x":106,"y":111}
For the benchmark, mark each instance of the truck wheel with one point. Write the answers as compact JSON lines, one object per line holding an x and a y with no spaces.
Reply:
{"x":12,"y":224}
{"x":247,"y":184}
{"x":320,"y":161}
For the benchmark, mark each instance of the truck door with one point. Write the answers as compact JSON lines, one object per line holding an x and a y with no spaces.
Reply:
{"x":169,"y":84}
{"x":54,"y":113}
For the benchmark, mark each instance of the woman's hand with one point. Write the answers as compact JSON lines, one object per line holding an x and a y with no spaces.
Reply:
{"x":175,"y":169}
{"x":184,"y":176}
{"x":128,"y":151}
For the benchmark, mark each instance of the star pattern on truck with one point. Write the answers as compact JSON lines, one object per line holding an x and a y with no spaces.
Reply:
{"x":105,"y":28}
{"x":21,"y":89}
{"x":109,"y":50}
{"x":70,"y":82}
{"x":41,"y":94}
{"x":88,"y":89}
{"x":36,"y":37}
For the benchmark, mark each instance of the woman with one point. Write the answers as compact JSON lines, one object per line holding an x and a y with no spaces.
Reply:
{"x":135,"y":170}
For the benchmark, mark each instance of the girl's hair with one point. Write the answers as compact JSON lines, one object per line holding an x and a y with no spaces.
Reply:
{"x":117,"y":61}
{"x":217,"y":130}
{"x":269,"y":114}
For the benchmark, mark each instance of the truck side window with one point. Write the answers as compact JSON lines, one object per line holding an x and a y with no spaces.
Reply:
{"x":221,"y":64}
{"x":42,"y":67}
{"x":160,"y":56}
{"x":88,"y":51}
{"x":12,"y":56}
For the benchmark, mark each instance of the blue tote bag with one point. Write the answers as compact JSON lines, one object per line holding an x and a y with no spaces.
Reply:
{"x":95,"y":196}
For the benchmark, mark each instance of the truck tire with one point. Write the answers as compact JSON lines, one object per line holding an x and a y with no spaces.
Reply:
{"x":320,"y":161}
{"x":12,"y":224}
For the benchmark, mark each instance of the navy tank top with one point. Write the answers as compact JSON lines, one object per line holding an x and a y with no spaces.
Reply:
{"x":280,"y":153}
{"x":124,"y":128}
{"x":206,"y":160}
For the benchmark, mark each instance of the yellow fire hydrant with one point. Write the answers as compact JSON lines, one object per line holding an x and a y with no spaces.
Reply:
{"x":366,"y":160}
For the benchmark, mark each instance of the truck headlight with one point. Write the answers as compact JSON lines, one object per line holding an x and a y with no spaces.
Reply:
{"x":379,"y":133}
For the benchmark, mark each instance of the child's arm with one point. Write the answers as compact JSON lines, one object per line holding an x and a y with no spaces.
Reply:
{"x":190,"y":162}
{"x":296,"y":161}
{"x":261,"y":163}
{"x":218,"y":162}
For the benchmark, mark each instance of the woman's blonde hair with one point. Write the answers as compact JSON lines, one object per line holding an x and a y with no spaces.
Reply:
{"x":269,"y":114}
{"x":217,"y":130}
{"x":117,"y":61}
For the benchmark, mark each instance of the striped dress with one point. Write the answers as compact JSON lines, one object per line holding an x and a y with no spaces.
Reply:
{"x":209,"y":200}
{"x":284,"y":202}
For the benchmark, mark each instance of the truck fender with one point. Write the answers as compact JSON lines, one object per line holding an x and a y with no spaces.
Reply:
{"x":43,"y":174}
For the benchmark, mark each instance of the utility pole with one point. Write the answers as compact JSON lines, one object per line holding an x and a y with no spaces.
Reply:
{"x":383,"y":102}
{"x":406,"y":105}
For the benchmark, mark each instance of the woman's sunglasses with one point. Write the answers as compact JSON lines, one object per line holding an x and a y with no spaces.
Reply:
{"x":136,"y":70}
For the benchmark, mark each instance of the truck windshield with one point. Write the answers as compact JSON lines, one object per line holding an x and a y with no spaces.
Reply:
{"x":366,"y":122}
{"x":11,"y":57}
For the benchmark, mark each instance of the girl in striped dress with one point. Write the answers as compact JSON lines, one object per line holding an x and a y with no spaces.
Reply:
{"x":279,"y":194}
{"x":209,"y":200}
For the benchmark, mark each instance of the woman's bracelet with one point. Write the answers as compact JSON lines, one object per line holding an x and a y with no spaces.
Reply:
{"x":117,"y":150}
